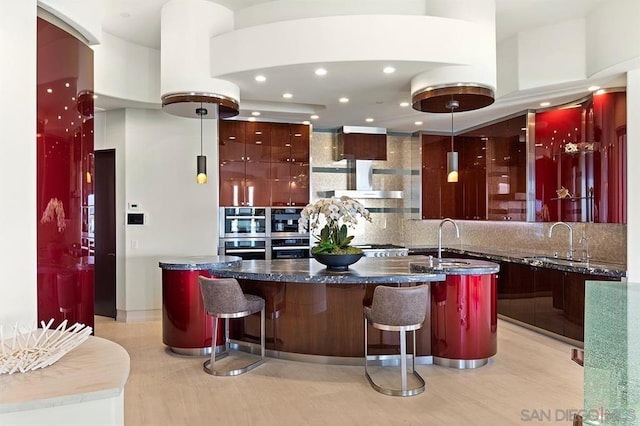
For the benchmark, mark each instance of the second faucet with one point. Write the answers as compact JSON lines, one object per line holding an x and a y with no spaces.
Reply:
{"x":442,"y":222}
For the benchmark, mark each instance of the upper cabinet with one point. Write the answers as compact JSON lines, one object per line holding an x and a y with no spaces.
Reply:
{"x":361,"y":143}
{"x":289,"y":164}
{"x":263,"y":164}
{"x":491,"y":173}
{"x":244,"y":153}
{"x":580,"y":161}
{"x":563,"y":164}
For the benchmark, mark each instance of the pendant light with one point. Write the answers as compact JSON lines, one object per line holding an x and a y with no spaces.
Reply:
{"x":202,"y":159}
{"x":452,"y":157}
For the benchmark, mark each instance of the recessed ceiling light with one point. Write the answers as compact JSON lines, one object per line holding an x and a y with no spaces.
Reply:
{"x":545,"y":104}
{"x":49,"y":90}
{"x":95,"y":96}
{"x":255,"y":113}
{"x":314,"y":117}
{"x":287,"y":95}
{"x":343,"y":100}
{"x":404,"y":104}
{"x":306,"y":122}
{"x":252,"y":119}
{"x":388,"y":70}
{"x":418,"y":123}
{"x":260,"y":78}
{"x":593,"y":88}
{"x":369,"y":120}
{"x":66,"y":85}
{"x":321,"y":71}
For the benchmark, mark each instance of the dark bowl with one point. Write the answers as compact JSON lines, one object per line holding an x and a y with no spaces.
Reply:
{"x":337,"y":262}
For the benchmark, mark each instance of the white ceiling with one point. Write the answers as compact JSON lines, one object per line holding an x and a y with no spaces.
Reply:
{"x":372,"y":94}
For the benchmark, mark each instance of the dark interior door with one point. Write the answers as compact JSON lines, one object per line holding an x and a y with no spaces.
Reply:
{"x":105,"y":230}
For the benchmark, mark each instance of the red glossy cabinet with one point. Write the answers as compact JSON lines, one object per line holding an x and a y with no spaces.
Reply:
{"x":583,"y":150}
{"x":65,"y":175}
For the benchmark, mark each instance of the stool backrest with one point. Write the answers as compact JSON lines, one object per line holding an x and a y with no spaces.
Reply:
{"x":399,"y":306}
{"x":222,"y":295}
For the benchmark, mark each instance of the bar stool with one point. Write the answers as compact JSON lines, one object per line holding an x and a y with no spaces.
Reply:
{"x":399,"y":309}
{"x":223,"y":298}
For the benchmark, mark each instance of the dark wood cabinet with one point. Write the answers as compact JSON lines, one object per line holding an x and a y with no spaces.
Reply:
{"x":231,"y":145}
{"x":360,"y":146}
{"x":516,"y":291}
{"x":506,"y":177}
{"x":244,"y":154}
{"x":472,"y":182}
{"x":263,"y":164}
{"x":547,"y":298}
{"x":289,"y":164}
{"x":438,"y":195}
{"x":244,"y":183}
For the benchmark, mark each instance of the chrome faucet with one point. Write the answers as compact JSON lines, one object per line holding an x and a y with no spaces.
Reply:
{"x":440,"y":234}
{"x":570,"y":235}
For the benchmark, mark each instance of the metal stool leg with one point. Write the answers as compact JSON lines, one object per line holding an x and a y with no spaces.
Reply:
{"x":403,"y":359}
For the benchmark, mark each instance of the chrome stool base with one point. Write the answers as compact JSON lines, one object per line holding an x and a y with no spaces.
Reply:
{"x":207,"y":367}
{"x":398,"y":392}
{"x":215,"y":355}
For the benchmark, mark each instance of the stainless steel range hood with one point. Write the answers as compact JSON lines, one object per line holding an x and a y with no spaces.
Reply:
{"x":359,"y":182}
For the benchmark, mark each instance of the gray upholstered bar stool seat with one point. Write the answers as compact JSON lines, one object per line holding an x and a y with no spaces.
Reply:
{"x":223,"y":298}
{"x":399,"y":309}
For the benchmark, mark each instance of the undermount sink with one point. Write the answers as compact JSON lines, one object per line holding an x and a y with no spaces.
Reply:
{"x":450,"y":263}
{"x":555,"y":260}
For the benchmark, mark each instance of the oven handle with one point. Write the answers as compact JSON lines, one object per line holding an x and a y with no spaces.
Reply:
{"x":290,"y":248}
{"x":245,"y":217}
{"x":230,"y":251}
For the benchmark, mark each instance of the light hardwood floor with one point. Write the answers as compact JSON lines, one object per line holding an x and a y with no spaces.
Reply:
{"x":531,"y":380}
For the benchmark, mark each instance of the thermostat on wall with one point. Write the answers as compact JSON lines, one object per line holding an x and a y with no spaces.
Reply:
{"x":135,"y":218}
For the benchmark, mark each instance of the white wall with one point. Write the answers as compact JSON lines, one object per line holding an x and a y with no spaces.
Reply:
{"x":18,"y":162}
{"x":158,"y":175}
{"x":613,"y":35}
{"x":633,"y":175}
{"x":552,"y":54}
{"x":109,"y":133}
{"x":126,"y":70}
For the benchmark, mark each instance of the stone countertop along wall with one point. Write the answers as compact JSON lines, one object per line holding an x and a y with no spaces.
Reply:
{"x":607,"y":242}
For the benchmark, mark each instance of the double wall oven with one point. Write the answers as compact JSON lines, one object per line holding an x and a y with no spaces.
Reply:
{"x":262,"y":233}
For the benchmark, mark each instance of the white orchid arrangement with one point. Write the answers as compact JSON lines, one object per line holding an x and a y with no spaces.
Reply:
{"x":337,"y":214}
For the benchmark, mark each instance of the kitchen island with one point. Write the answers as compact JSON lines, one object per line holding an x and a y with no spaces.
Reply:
{"x":315,"y":315}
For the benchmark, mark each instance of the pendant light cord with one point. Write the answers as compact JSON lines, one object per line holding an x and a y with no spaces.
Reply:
{"x":201,"y":128}
{"x":452,"y":128}
{"x":452,"y":105}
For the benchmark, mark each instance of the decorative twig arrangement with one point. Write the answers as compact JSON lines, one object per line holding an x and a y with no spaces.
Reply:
{"x":39,"y":348}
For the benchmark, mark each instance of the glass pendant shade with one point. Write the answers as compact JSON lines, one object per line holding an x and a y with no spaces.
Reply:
{"x":452,"y":167}
{"x":202,"y":169}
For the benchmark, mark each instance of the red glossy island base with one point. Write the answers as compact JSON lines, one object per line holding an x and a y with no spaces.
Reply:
{"x":186,"y":327}
{"x":464,"y":320}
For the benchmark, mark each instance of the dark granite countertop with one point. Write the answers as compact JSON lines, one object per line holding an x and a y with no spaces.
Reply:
{"x":368,"y":270}
{"x":453,"y":266}
{"x":200,"y":263}
{"x":615,"y":270}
